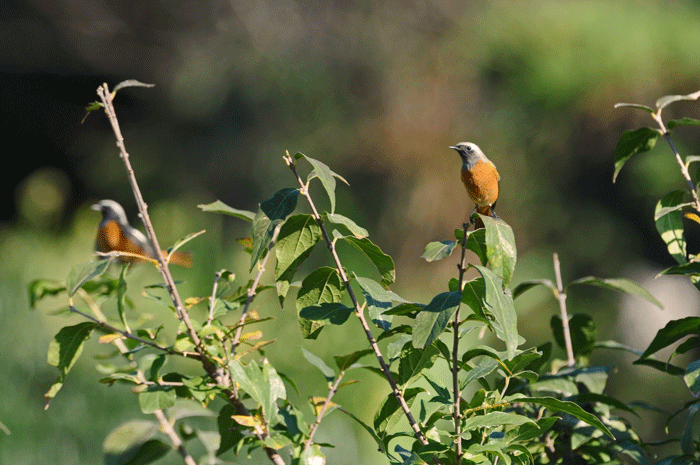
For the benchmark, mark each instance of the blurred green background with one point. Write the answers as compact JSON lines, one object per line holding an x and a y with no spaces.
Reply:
{"x":377,"y":90}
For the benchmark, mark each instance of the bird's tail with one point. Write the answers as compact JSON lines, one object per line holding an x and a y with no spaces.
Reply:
{"x":180,"y":258}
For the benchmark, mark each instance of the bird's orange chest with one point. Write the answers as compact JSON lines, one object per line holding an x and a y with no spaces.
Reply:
{"x":481,"y":182}
{"x":111,"y":237}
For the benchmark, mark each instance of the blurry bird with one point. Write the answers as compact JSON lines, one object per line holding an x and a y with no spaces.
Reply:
{"x":115,"y":234}
{"x":481,"y":178}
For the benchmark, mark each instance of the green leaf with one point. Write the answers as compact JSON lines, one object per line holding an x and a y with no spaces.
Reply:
{"x":130,"y":83}
{"x":312,"y":455}
{"x":322,"y":286}
{"x":476,"y":242}
{"x":184,"y":240}
{"x":64,"y":350}
{"x":619,"y":284}
{"x":556,"y":405}
{"x":529,"y":284}
{"x":687,"y":441}
{"x":125,"y":441}
{"x":499,"y":303}
{"x":263,"y":385}
{"x":667,"y":99}
{"x":390,"y":412}
{"x":383,"y":262}
{"x":672,"y":332}
{"x":663,"y":367}
{"x":319,"y":363}
{"x":230,"y":434}
{"x":121,"y":297}
{"x":40,"y":288}
{"x":482,"y":369}
{"x":297,"y":238}
{"x":413,"y":361}
{"x":493,"y":419}
{"x":435,"y":251}
{"x":334,"y":313}
{"x":689,"y":269}
{"x":280,"y":205}
{"x":631,"y":143}
{"x":220,"y":207}
{"x":263,"y":231}
{"x":434,"y":318}
{"x":378,"y":300}
{"x":500,"y":248}
{"x":85,"y":272}
{"x":635,"y":105}
{"x":357,"y":231}
{"x":674,"y":123}
{"x":157,"y":398}
{"x":473,"y":297}
{"x":345,"y":362}
{"x":670,"y":225}
{"x":327,"y":177}
{"x":692,"y":377}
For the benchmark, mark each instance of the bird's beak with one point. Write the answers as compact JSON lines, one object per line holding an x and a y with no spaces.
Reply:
{"x":95,"y":206}
{"x":454,"y":148}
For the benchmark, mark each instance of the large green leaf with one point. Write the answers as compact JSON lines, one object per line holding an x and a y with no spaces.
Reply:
{"x":413,"y":361}
{"x":672,"y":332}
{"x":500,"y":248}
{"x":85,"y":272}
{"x":325,"y":174}
{"x":378,"y":300}
{"x":64,"y":350}
{"x":263,"y":231}
{"x":383,"y":262}
{"x":670,"y":225}
{"x":157,"y":398}
{"x":435,"y":251}
{"x":556,"y":405}
{"x":434,"y":318}
{"x":130,"y":441}
{"x":499,"y":303}
{"x":280,"y":205}
{"x":321,"y":286}
{"x":631,"y":143}
{"x":297,"y":238}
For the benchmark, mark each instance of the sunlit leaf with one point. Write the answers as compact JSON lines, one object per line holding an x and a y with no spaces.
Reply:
{"x":665,"y":100}
{"x":438,"y":250}
{"x":434,"y":318}
{"x":130,"y":83}
{"x":670,"y":225}
{"x":220,"y":207}
{"x":633,"y":142}
{"x":297,"y":238}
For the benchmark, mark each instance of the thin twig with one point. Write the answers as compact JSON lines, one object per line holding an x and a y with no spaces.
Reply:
{"x":107,"y":101}
{"x":219,"y":374}
{"x":126,"y":334}
{"x":331,"y":392}
{"x":217,"y":276}
{"x":561,"y":297}
{"x":358,"y":309}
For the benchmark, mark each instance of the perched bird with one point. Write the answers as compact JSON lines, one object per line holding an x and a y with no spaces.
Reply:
{"x":115,"y":234}
{"x":480,"y":177}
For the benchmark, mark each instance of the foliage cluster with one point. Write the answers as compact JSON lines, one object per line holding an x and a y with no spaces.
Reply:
{"x":511,"y":404}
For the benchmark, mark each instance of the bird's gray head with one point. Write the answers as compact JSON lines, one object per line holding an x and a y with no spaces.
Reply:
{"x":470,"y":153}
{"x":111,"y":210}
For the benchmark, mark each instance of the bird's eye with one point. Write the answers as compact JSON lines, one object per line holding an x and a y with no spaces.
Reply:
{"x":469,"y":148}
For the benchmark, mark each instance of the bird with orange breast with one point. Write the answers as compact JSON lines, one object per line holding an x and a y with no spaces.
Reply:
{"x":115,"y":234}
{"x":481,"y":178}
